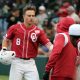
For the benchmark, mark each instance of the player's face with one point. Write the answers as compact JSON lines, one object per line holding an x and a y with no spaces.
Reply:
{"x":29,"y":17}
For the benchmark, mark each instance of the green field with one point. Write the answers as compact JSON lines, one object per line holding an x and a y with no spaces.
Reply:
{"x":3,"y":77}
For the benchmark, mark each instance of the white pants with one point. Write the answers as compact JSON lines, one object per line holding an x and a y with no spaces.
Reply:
{"x":23,"y":68}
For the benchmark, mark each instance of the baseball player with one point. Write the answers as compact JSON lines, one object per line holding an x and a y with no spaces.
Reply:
{"x":25,"y":38}
{"x":63,"y":56}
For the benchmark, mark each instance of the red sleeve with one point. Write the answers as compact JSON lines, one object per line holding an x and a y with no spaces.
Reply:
{"x":10,"y":32}
{"x":58,"y":46}
{"x":43,"y":38}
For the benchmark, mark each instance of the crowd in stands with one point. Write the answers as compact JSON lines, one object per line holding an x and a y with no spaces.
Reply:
{"x":49,"y":13}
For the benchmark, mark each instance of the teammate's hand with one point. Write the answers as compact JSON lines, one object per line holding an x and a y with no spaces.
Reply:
{"x":46,"y":76}
{"x":78,"y":61}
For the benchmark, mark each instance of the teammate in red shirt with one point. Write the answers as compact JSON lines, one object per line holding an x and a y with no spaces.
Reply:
{"x":63,"y":56}
{"x":25,"y":38}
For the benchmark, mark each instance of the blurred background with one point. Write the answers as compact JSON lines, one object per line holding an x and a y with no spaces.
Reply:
{"x":48,"y":14}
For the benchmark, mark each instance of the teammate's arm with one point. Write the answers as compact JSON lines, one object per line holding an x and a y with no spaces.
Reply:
{"x":56,"y":51}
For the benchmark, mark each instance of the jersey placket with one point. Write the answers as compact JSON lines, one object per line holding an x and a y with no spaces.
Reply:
{"x":24,"y":40}
{"x":28,"y":41}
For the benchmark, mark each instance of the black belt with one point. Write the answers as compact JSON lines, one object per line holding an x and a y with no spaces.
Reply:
{"x":25,"y":58}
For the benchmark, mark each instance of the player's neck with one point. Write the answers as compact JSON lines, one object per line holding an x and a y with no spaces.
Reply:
{"x":27,"y":25}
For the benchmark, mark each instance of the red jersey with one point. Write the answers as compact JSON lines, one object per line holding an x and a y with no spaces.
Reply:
{"x":25,"y":41}
{"x":62,"y":59}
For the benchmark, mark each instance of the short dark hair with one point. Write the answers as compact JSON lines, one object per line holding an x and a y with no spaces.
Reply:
{"x":75,"y":36}
{"x":29,"y":7}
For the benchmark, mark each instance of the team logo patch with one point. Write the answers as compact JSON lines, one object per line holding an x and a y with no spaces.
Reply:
{"x":33,"y":37}
{"x":37,"y":31}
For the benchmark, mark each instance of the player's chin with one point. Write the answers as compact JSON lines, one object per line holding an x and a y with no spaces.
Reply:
{"x":30,"y":23}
